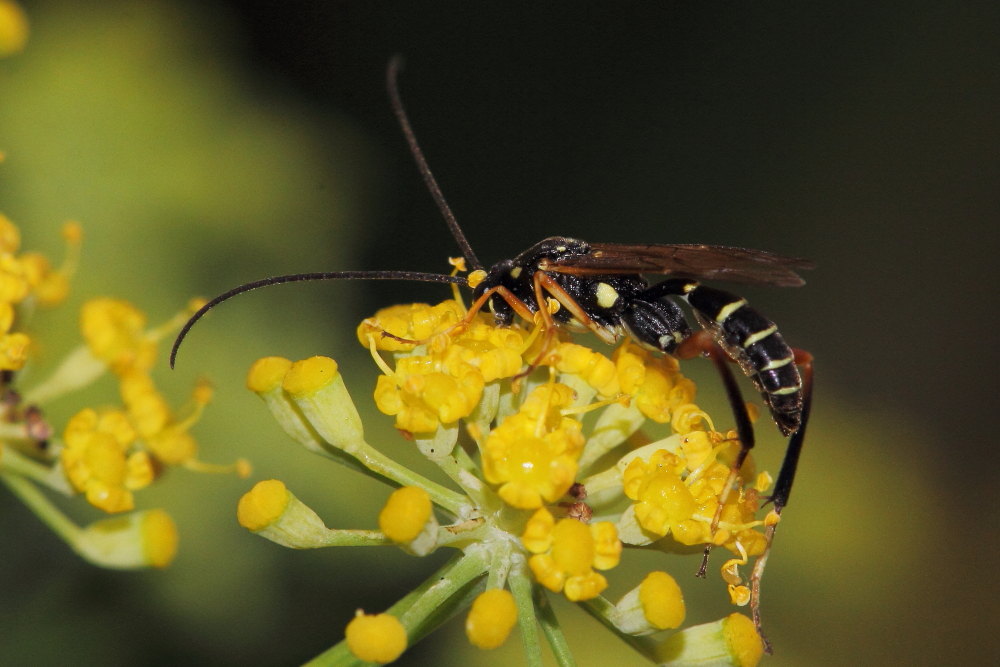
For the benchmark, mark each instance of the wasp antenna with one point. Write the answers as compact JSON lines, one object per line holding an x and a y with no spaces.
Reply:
{"x":392,"y":74}
{"x":301,"y":277}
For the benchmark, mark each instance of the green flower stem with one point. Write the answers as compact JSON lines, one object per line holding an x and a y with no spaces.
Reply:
{"x":604,"y":486}
{"x":326,"y":421}
{"x":446,"y":592}
{"x":381,"y":464}
{"x":53,"y":478}
{"x":500,"y":564}
{"x":463,"y":534}
{"x":472,"y":564}
{"x":39,"y":503}
{"x":553,"y":632}
{"x":356,"y":538}
{"x":601,"y":609}
{"x":79,"y":369}
{"x":521,"y":586}
{"x":465,"y":478}
{"x":297,"y":427}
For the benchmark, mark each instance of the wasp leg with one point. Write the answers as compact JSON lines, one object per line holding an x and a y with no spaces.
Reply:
{"x":517,"y":304}
{"x":543,"y":284}
{"x":782,"y":489}
{"x":701,"y":343}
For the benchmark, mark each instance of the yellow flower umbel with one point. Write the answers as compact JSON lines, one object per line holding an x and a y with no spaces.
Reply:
{"x":551,"y":482}
{"x":107,"y":454}
{"x":13,"y":28}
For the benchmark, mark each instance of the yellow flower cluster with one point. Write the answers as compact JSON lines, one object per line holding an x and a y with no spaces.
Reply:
{"x":653,"y":383}
{"x":13,"y":28}
{"x":555,"y":478}
{"x":445,"y":382}
{"x":99,"y":459}
{"x":28,"y":275}
{"x":532,"y":454}
{"x":115,"y":331}
{"x":106,"y":454}
{"x":680,"y":494}
{"x":110,"y":455}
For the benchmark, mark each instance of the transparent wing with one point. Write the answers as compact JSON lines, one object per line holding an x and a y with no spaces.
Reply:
{"x":711,"y":262}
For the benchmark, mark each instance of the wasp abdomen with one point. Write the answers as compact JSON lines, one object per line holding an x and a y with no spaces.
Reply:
{"x":753,"y":341}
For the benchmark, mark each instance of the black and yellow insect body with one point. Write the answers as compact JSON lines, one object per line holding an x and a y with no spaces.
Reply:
{"x":600,"y":287}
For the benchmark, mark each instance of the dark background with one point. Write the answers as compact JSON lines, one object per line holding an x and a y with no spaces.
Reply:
{"x":861,"y":135}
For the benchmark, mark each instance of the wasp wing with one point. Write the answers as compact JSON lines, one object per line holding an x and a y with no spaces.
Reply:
{"x":710,"y":262}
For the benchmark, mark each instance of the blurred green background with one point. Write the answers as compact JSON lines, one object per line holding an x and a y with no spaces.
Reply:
{"x":206,"y":144}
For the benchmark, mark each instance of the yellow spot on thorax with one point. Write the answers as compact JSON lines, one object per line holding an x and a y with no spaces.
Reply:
{"x":607,"y":295}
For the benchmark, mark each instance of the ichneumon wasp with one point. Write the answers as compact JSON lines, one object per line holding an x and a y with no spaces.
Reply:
{"x":599,"y":287}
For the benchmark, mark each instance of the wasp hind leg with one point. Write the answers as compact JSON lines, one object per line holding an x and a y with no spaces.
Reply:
{"x":703,"y":343}
{"x":782,"y":488}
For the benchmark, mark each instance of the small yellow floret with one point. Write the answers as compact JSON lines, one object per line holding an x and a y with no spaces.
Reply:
{"x":742,"y":640}
{"x":476,"y":277}
{"x":533,"y":454}
{"x":10,"y":235}
{"x":310,"y":375}
{"x":72,"y":232}
{"x":377,"y":638}
{"x":567,"y":551}
{"x":412,"y":322}
{"x":14,"y":349}
{"x":491,"y":618}
{"x":689,"y":417}
{"x":267,"y":373}
{"x":115,"y":332}
{"x":663,"y":502}
{"x":159,"y":538}
{"x":739,"y":595}
{"x":405,"y":514}
{"x":662,"y":600}
{"x":262,"y":505}
{"x":6,"y":316}
{"x":594,"y":368}
{"x":147,"y":408}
